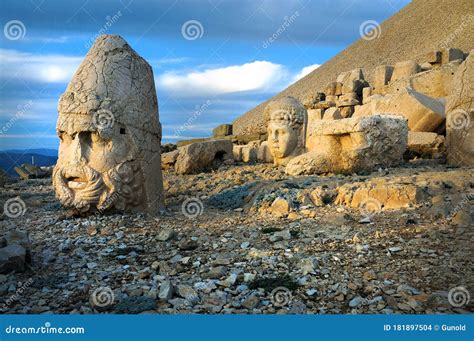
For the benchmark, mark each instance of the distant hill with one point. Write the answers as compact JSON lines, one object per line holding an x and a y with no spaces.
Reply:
{"x":420,"y":27}
{"x":10,"y":159}
{"x":40,"y":151}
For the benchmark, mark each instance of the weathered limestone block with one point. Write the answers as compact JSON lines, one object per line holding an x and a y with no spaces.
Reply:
{"x":382,"y":75}
{"x":350,"y":76}
{"x":433,"y":57}
{"x":109,"y":153}
{"x":433,"y":83}
{"x":460,"y":115}
{"x":450,"y":54}
{"x":222,"y":130}
{"x":366,"y":93}
{"x":286,"y":129}
{"x":263,"y":154}
{"x":182,"y":143}
{"x":347,"y":111}
{"x":332,"y":114}
{"x":404,"y":69}
{"x":423,"y":113}
{"x":352,"y":145}
{"x":250,"y":151}
{"x":237,"y":152}
{"x":348,"y":99}
{"x":379,"y":194}
{"x":197,"y":157}
{"x":169,"y":159}
{"x":425,"y":144}
{"x":312,"y":100}
{"x":27,"y":171}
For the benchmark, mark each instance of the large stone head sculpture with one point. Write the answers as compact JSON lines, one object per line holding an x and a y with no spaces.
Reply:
{"x":109,"y":153}
{"x":287,"y":119}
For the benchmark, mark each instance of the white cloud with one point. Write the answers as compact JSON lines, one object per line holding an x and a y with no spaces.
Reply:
{"x":254,"y":76}
{"x":305,"y":71}
{"x":50,"y":68}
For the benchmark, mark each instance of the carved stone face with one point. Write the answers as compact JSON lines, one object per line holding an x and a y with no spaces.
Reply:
{"x":286,"y":129}
{"x":109,"y":152}
{"x":283,"y":139}
{"x":96,"y":167}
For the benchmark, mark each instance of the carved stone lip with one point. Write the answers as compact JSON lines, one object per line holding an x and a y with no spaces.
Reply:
{"x":76,"y":183}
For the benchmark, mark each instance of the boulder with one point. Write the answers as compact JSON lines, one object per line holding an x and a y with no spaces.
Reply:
{"x":182,"y":143}
{"x":12,"y":258}
{"x":460,"y":116}
{"x":250,"y":151}
{"x":425,"y":145}
{"x":352,"y":145}
{"x":237,"y":152}
{"x":169,"y":159}
{"x":200,"y":156}
{"x":222,"y":130}
{"x":27,"y":171}
{"x":433,"y":57}
{"x":423,"y":113}
{"x":404,"y":69}
{"x":332,"y":114}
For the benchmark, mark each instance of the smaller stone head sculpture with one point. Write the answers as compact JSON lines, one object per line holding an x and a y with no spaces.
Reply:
{"x":287,"y":119}
{"x":109,"y":152}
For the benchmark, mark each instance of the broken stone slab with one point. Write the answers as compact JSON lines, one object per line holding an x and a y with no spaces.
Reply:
{"x":423,"y":113}
{"x":435,"y":82}
{"x":425,"y":145}
{"x":352,"y":145}
{"x":450,"y":54}
{"x":263,"y":154}
{"x":382,"y":75}
{"x":200,"y":156}
{"x":237,"y":152}
{"x":222,"y":130}
{"x":379,"y":194}
{"x":346,"y":111}
{"x":460,"y":116}
{"x":350,"y":76}
{"x":12,"y":258}
{"x":19,"y":238}
{"x":250,"y":151}
{"x":404,"y":69}
{"x":433,"y":57}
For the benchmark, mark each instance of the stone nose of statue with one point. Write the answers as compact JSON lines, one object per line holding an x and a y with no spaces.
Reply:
{"x":79,"y":148}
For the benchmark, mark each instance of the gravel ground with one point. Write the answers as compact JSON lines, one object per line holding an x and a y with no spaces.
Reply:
{"x":237,"y":258}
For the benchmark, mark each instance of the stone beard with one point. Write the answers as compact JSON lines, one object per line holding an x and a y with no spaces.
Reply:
{"x":286,"y":132}
{"x":97,"y":169}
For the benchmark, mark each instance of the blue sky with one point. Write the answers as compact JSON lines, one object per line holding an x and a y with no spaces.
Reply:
{"x":212,"y":59}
